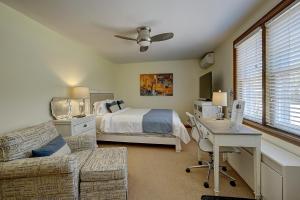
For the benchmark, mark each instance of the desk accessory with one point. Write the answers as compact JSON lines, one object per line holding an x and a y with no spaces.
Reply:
{"x":220,"y":100}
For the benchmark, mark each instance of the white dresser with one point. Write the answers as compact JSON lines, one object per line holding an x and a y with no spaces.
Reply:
{"x":205,"y":109}
{"x":76,"y":126}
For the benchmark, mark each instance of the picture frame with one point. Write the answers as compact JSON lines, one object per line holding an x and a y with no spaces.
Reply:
{"x":156,"y":84}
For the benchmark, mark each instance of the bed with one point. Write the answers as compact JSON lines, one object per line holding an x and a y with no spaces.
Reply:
{"x":139,"y":125}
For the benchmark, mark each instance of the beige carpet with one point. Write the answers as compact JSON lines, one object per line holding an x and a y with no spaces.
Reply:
{"x":158,"y":173}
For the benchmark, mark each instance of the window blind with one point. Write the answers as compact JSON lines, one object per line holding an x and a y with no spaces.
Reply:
{"x":283,"y":71}
{"x":249,"y":75}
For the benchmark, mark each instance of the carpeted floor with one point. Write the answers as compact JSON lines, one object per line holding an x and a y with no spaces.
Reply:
{"x":158,"y":173}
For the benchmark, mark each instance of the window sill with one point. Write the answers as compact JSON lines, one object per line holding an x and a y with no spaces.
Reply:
{"x":275,"y":132}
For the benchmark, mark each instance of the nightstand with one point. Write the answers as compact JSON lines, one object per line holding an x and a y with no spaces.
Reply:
{"x":76,"y":126}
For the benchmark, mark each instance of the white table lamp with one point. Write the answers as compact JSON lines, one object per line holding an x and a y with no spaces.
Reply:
{"x":81,"y":93}
{"x":220,"y":100}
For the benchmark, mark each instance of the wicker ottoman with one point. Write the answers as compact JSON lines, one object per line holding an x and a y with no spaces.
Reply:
{"x":104,"y":175}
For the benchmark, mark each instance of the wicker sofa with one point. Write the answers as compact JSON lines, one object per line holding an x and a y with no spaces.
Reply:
{"x":59,"y":177}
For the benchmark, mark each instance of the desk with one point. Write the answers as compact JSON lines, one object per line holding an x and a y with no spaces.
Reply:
{"x":220,"y":133}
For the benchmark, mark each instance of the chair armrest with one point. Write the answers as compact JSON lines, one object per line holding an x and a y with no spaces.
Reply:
{"x":81,"y":142}
{"x":36,"y":167}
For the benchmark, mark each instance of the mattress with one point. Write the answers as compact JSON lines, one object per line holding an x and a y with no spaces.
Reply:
{"x":129,"y":121}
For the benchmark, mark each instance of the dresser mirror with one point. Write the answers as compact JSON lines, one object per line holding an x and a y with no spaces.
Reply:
{"x":61,"y":108}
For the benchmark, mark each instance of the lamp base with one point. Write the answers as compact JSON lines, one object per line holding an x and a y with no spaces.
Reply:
{"x":220,"y":114}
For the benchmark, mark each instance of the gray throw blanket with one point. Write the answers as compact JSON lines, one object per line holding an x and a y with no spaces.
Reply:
{"x":158,"y":121}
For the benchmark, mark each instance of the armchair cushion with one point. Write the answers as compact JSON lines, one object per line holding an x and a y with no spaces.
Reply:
{"x":81,"y":142}
{"x":20,"y":143}
{"x":35,"y":167}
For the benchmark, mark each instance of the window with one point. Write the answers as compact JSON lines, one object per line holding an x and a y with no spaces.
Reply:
{"x":283,"y":71}
{"x":249,"y":79}
{"x":267,"y":72}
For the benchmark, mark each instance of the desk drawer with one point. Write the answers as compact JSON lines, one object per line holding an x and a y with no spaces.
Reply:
{"x":84,"y":127}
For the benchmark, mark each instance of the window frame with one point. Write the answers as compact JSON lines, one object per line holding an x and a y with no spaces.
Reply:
{"x":237,"y":46}
{"x":279,"y":8}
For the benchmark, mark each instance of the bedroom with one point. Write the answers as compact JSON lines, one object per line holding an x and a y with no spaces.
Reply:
{"x":50,"y":47}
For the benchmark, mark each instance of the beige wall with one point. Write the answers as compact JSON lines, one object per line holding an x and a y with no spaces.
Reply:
{"x":185,"y":89}
{"x":37,"y":64}
{"x":222,"y":70}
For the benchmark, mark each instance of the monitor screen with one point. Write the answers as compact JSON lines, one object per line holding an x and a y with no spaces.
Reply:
{"x":205,"y":86}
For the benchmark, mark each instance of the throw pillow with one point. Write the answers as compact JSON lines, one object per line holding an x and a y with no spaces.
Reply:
{"x":56,"y":147}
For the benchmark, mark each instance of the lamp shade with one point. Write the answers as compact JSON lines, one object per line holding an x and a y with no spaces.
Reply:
{"x":220,"y":98}
{"x":80,"y":92}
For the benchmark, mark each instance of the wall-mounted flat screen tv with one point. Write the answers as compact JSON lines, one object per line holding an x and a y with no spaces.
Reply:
{"x":205,"y":86}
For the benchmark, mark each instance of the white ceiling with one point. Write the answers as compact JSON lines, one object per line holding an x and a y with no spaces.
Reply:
{"x":199,"y":25}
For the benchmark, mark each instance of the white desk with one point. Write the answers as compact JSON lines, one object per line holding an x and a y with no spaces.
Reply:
{"x":220,"y":133}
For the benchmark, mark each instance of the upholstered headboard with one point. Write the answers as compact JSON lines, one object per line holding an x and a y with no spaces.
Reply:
{"x":99,"y":96}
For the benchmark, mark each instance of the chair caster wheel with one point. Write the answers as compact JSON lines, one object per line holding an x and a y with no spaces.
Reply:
{"x":206,"y":185}
{"x":200,"y":162}
{"x":188,"y":170}
{"x":232,"y":183}
{"x":224,"y":169}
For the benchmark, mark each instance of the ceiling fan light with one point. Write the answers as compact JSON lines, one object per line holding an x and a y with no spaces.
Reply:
{"x":144,"y":39}
{"x":144,"y":43}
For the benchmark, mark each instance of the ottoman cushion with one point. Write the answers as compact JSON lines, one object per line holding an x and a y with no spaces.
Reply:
{"x":82,"y":156}
{"x":90,"y":187}
{"x":105,"y":164}
{"x":105,"y":195}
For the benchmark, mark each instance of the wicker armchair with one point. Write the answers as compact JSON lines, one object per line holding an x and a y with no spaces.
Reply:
{"x":22,"y":177}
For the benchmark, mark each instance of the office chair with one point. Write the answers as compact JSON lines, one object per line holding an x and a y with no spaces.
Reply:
{"x":205,"y":145}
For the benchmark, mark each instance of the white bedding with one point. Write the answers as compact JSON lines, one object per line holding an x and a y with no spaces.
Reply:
{"x":129,"y":120}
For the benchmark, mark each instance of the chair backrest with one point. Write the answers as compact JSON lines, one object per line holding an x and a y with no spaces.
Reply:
{"x":237,"y":111}
{"x":20,"y":143}
{"x":196,"y":132}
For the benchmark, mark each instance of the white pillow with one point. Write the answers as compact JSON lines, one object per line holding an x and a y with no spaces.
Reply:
{"x":100,"y":107}
{"x":96,"y":107}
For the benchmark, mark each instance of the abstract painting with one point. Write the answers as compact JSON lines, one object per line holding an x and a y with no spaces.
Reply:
{"x":156,"y":84}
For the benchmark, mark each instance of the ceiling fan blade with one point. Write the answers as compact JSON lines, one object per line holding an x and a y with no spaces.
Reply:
{"x":162,"y":37}
{"x":125,"y":38}
{"x":143,"y":49}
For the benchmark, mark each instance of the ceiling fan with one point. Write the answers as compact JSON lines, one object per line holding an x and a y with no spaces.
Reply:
{"x":144,"y":39}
